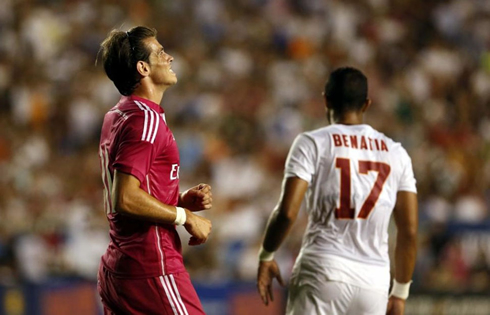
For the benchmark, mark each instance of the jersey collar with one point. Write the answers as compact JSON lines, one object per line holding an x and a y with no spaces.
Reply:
{"x":147,"y":102}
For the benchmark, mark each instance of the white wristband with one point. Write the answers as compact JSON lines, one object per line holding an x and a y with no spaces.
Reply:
{"x":265,"y":255}
{"x":181,"y":216}
{"x":400,"y":290}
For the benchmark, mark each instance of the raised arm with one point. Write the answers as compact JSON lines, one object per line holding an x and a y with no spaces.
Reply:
{"x":129,"y":199}
{"x":406,"y":220}
{"x":278,"y":227}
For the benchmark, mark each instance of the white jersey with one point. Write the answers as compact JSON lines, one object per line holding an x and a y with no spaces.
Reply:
{"x":354,"y":173}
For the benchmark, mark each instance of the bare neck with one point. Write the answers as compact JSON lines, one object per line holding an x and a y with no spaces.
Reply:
{"x":350,"y":118}
{"x":152,"y":93}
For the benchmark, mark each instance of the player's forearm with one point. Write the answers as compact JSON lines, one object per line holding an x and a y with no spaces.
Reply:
{"x":181,"y":202}
{"x":277,"y":229}
{"x":139,"y":204}
{"x":284,"y":216}
{"x":406,"y":219}
{"x":405,"y":256}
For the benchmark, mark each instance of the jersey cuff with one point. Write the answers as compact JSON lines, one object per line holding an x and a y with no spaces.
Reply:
{"x":304,"y":176}
{"x":412,"y":190}
{"x":131,"y":171}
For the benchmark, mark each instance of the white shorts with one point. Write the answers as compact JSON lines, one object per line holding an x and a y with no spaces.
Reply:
{"x":333,"y":298}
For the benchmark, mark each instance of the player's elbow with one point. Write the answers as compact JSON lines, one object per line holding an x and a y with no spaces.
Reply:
{"x":122,"y":202}
{"x":286,"y":216}
{"x":408,"y":234}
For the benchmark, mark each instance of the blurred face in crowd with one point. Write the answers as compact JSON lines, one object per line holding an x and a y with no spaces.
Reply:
{"x":160,"y":64}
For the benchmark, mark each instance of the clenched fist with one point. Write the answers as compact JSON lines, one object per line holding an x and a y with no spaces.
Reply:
{"x":198,"y":227}
{"x":197,"y":198}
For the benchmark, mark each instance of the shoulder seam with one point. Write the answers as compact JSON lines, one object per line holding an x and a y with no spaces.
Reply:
{"x":121,"y":113}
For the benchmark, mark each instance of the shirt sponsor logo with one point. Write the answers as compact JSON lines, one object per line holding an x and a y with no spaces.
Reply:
{"x":174,"y":173}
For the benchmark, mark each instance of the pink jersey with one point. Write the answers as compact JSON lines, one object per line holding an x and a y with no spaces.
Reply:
{"x":136,"y":140}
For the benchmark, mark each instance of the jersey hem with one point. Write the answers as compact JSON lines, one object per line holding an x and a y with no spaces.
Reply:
{"x":142,"y":276}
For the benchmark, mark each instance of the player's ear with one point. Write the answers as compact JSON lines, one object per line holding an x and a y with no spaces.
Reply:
{"x":366,"y":105}
{"x":143,"y":68}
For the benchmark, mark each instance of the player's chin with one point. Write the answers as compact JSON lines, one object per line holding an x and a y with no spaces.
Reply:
{"x":172,"y":79}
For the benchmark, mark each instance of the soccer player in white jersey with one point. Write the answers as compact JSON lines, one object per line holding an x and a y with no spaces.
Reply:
{"x":353,"y":177}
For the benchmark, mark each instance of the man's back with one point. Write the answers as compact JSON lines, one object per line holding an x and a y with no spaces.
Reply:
{"x":354,"y":173}
{"x":353,"y":178}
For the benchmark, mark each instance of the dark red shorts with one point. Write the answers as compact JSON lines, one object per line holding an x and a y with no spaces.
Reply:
{"x":171,"y":294}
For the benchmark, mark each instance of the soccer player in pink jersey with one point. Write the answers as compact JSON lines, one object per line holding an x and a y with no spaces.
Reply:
{"x":354,"y":178}
{"x":142,"y":271}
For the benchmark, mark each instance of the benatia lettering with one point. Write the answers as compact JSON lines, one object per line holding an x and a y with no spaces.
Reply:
{"x":359,"y":142}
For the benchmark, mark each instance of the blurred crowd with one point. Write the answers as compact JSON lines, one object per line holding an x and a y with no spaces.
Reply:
{"x":251,"y":73}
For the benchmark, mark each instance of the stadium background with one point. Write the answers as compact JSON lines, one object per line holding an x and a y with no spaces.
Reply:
{"x":250,"y":74}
